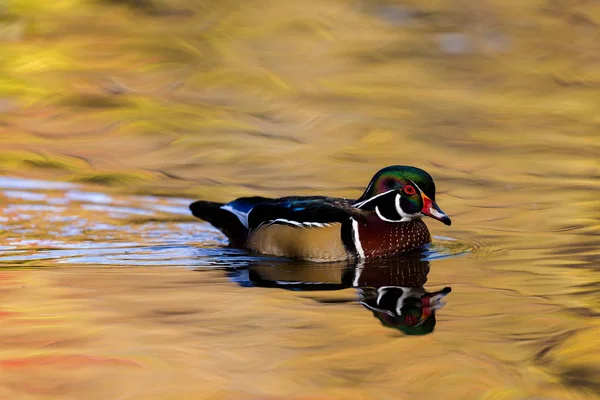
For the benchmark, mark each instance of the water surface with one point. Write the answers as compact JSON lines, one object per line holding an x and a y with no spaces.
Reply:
{"x":120,"y":286}
{"x":114,"y":115}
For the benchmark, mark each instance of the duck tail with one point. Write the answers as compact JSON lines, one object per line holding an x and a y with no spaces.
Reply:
{"x":221,"y":219}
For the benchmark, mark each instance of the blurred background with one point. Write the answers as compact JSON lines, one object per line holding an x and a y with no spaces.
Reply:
{"x":222,"y":98}
{"x":115,"y":114}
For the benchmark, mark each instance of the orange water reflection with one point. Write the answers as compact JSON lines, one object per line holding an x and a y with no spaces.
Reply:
{"x":149,"y":104}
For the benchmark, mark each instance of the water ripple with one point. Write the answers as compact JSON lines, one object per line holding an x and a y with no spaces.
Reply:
{"x":48,"y":224}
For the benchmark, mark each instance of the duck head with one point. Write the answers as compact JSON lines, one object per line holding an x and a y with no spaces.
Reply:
{"x":400,"y":194}
{"x":411,"y":310}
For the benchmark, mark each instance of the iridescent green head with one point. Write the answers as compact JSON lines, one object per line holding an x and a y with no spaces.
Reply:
{"x":401,"y":193}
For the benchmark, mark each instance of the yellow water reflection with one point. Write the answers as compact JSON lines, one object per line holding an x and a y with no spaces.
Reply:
{"x":215,"y":100}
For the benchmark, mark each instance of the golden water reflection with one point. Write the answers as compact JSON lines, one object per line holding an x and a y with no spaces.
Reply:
{"x":114,"y":115}
{"x":99,"y":286}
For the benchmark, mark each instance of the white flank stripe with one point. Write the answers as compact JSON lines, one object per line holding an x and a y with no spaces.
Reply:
{"x":285,"y":221}
{"x":296,"y":223}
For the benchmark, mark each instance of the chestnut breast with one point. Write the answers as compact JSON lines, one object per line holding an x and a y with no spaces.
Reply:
{"x":380,"y":238}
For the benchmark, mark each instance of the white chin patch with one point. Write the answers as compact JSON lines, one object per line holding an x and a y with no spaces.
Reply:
{"x":381,"y":217}
{"x":404,"y":216}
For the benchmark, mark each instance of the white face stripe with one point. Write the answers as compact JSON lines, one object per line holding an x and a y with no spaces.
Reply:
{"x":356,"y":239}
{"x":404,"y":216}
{"x":381,"y":217}
{"x":421,"y":191}
{"x":362,"y":203}
{"x":369,"y":187}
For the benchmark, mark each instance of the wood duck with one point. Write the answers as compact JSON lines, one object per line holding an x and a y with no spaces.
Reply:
{"x":385,"y":221}
{"x":399,"y":300}
{"x":392,"y":289}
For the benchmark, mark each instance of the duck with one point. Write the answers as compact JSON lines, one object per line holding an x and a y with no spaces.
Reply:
{"x":392,"y":289}
{"x":385,"y":221}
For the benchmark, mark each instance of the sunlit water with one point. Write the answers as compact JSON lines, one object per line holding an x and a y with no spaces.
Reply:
{"x":487,"y":317}
{"x":109,"y":294}
{"x":91,"y":228}
{"x":52,"y":223}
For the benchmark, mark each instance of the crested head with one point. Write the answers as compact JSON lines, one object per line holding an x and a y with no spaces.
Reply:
{"x":396,"y":177}
{"x":401,"y":193}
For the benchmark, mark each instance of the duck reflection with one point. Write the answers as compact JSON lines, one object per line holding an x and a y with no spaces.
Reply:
{"x":393,"y":290}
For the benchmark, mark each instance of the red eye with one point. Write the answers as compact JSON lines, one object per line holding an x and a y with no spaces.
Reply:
{"x":409,"y":190}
